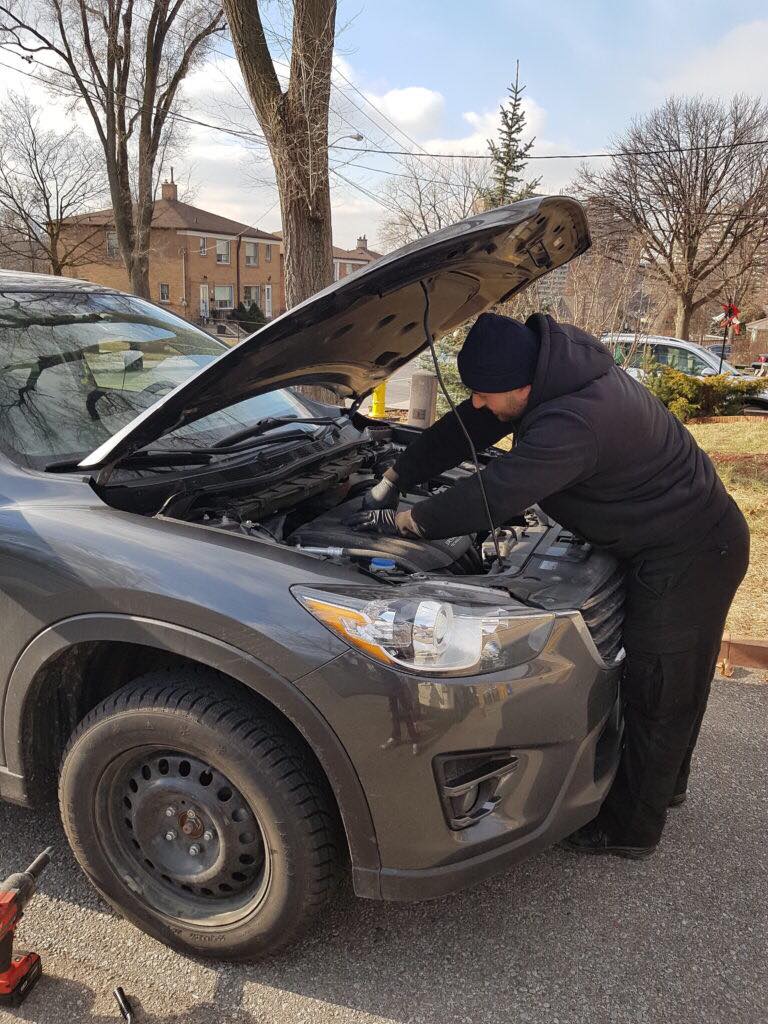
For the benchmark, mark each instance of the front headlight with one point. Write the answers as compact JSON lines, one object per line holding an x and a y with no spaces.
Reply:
{"x":427,"y":631}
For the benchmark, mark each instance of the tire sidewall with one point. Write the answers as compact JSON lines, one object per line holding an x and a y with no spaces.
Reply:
{"x":269,"y":925}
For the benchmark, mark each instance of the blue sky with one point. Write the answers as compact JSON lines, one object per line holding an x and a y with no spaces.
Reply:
{"x":590,"y":64}
{"x":439,"y":69}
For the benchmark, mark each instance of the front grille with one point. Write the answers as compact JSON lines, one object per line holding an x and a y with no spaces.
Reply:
{"x":603,"y":613}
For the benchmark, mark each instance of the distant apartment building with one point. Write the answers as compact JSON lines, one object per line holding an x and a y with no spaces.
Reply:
{"x":201,"y":265}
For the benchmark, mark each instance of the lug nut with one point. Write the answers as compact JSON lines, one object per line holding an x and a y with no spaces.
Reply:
{"x":191,"y":813}
{"x":207,"y":835}
{"x":170,"y":811}
{"x":170,"y":835}
{"x":194,"y":850}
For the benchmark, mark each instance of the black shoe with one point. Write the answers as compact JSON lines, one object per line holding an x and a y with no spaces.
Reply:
{"x":593,"y":838}
{"x":678,"y":798}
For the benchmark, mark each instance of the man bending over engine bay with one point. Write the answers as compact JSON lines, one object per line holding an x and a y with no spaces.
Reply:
{"x":604,"y":458}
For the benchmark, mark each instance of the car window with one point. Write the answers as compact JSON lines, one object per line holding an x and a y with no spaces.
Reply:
{"x":76,"y":368}
{"x":631,"y":353}
{"x":682,"y":359}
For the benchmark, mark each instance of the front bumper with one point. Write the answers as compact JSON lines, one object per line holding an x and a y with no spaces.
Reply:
{"x":558,"y":714}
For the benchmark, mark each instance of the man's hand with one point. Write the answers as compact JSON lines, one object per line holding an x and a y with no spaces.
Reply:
{"x":386,"y":521}
{"x":384,"y":495}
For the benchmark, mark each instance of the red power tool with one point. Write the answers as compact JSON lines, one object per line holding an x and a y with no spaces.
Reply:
{"x":18,"y":974}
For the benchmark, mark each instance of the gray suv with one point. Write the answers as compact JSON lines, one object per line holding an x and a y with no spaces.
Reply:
{"x":238,"y":697}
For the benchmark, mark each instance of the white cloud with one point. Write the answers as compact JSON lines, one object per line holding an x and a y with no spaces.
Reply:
{"x":735,"y":62}
{"x":415,"y":109}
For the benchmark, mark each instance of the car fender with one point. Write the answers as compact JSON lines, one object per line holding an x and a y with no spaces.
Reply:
{"x":218,"y":655}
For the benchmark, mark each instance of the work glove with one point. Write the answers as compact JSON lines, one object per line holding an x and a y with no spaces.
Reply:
{"x":385,"y":495}
{"x":386,"y":521}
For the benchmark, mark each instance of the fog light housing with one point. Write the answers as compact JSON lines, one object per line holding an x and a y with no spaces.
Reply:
{"x":469,"y":783}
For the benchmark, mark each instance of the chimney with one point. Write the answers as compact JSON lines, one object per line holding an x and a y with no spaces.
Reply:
{"x":362,"y":242}
{"x":169,"y":191}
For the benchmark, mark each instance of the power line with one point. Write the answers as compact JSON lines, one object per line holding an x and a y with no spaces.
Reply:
{"x":242,"y":134}
{"x":259,"y":139}
{"x":563,"y":156}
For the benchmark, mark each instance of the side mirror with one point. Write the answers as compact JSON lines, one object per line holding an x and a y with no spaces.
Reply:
{"x":708,"y":372}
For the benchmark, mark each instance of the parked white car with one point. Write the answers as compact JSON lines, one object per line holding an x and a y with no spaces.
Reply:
{"x":638,"y":352}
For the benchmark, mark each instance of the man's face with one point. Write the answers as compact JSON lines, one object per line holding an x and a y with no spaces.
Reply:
{"x":505,"y":405}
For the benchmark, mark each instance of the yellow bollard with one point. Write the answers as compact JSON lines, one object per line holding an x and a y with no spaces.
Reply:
{"x":378,"y":409}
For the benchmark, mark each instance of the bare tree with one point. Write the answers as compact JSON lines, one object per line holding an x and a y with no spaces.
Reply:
{"x":294,"y":121}
{"x":45,"y":177}
{"x":691,"y":179}
{"x":430,"y":194}
{"x":125,"y":61}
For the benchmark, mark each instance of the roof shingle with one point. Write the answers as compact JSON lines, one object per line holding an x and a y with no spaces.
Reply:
{"x":181,"y":217}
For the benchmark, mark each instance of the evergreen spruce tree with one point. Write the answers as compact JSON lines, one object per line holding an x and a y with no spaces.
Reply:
{"x":509,"y":154}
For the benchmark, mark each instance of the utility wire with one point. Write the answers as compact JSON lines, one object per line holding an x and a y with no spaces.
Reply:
{"x":253,"y":136}
{"x":564,"y":156}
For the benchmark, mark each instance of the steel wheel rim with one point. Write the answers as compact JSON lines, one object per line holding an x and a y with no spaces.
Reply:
{"x":150,"y":792}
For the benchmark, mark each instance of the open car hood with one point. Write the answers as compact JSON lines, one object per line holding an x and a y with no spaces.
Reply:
{"x":357,"y":332}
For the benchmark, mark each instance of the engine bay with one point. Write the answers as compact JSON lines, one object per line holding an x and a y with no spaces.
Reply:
{"x":543,"y":564}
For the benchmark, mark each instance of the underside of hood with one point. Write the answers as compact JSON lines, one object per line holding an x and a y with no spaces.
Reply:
{"x":357,"y":332}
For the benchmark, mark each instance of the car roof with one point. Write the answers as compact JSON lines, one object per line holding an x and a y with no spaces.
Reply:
{"x":20,"y":281}
{"x":650,"y":339}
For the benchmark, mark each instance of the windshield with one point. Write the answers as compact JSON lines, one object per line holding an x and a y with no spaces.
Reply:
{"x":76,"y":368}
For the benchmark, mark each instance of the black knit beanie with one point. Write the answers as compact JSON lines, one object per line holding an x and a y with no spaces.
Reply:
{"x":499,"y":354}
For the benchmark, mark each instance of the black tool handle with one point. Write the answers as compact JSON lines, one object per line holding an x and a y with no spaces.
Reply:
{"x":39,"y":863}
{"x":6,"y":951}
{"x":125,"y":1007}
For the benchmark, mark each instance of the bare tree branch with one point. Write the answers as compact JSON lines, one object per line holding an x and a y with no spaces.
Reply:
{"x":45,"y":178}
{"x":125,"y":61}
{"x":691,"y":180}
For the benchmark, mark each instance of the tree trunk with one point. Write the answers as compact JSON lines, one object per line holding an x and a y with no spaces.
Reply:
{"x":308,"y":265}
{"x":683,"y":316}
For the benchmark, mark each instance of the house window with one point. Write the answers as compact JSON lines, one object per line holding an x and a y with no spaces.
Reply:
{"x":268,"y":253}
{"x":336,"y":270}
{"x":112,"y":248}
{"x":251,"y":294}
{"x":252,"y":254}
{"x":222,"y":250}
{"x":165,"y":293}
{"x":223,"y":295}
{"x":203,"y":246}
{"x":350,"y":268}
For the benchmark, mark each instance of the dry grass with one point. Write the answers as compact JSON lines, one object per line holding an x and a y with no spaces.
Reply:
{"x":749,"y":486}
{"x":747,"y":436}
{"x":739,"y":449}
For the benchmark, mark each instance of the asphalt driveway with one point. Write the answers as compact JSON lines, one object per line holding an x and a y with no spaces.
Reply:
{"x":682,"y":937}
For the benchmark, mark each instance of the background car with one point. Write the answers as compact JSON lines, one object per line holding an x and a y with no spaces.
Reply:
{"x":637,"y":353}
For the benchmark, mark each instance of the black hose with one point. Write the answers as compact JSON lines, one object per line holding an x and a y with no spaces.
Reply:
{"x":497,"y":566}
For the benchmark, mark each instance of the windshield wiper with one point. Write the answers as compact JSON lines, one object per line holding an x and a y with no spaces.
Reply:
{"x":269,"y":423}
{"x":229,"y":445}
{"x":146,"y":458}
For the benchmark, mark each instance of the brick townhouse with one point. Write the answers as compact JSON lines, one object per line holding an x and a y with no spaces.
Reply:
{"x":347,"y":261}
{"x":201,"y":264}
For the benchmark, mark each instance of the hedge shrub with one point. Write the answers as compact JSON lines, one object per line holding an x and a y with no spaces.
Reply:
{"x":687,"y":396}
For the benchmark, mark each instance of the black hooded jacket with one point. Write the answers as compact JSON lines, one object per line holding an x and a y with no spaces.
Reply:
{"x":598,"y":453}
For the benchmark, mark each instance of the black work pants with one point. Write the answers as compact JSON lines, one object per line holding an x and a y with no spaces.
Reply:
{"x":675,"y":613}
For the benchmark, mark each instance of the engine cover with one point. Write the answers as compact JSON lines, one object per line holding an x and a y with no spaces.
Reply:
{"x":455,"y":554}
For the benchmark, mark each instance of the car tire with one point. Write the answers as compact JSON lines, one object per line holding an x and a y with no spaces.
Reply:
{"x":165,"y":765}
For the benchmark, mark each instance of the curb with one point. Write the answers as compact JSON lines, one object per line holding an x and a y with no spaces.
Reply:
{"x":742,"y":651}
{"x":740,"y":418}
